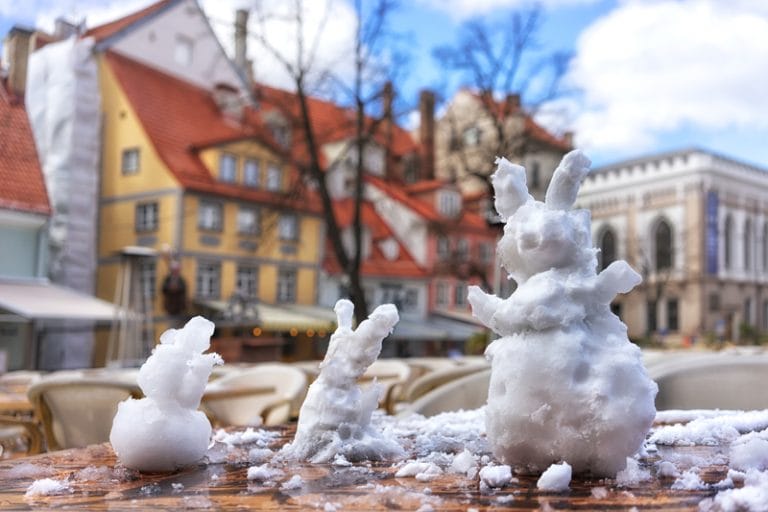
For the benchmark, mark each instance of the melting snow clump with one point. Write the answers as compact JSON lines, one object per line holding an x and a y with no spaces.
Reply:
{"x":47,"y":487}
{"x":556,"y":478}
{"x":496,"y":476}
{"x":566,"y":383}
{"x":165,"y":431}
{"x":336,"y":415}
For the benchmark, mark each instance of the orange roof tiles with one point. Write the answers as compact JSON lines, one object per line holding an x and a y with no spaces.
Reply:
{"x":22,"y":186}
{"x":107,"y":30}
{"x":180,"y":117}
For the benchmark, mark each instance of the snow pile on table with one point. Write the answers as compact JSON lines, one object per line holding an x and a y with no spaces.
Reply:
{"x":47,"y":487}
{"x":566,"y":383}
{"x":165,"y":431}
{"x":711,"y":430}
{"x":556,"y":478}
{"x":336,"y":415}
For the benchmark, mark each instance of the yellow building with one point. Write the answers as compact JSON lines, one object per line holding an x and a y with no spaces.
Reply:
{"x":195,"y":175}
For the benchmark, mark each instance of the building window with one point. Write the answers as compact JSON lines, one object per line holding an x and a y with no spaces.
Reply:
{"x":471,"y":136}
{"x":411,"y":298}
{"x":535,"y":175}
{"x":147,"y":278}
{"x":247,"y":221}
{"x":462,"y":249}
{"x":748,"y":320}
{"x":486,"y":252}
{"x":714,"y":302}
{"x":449,"y":203}
{"x":209,"y":216}
{"x":460,"y":294}
{"x":651,"y":316}
{"x":286,"y":285}
{"x":182,"y":53}
{"x":129,"y":161}
{"x":274,"y":178}
{"x":247,"y":281}
{"x":747,"y":245}
{"x":441,"y":294}
{"x":281,"y":134}
{"x":727,"y":242}
{"x":288,"y":227}
{"x":251,"y":173}
{"x":443,"y":248}
{"x":607,"y":254}
{"x":392,"y":294}
{"x":146,"y":217}
{"x":227,"y":168}
{"x":663,"y":240}
{"x":673,"y":317}
{"x":208,"y":280}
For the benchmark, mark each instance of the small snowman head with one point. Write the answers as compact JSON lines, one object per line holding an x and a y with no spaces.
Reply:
{"x":539,"y":236}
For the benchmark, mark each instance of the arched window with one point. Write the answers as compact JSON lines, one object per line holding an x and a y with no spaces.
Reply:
{"x":747,"y":245}
{"x":765,"y":247}
{"x":727,"y":242}
{"x":607,"y":244}
{"x":663,"y":239}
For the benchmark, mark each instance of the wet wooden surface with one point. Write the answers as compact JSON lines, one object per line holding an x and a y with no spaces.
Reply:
{"x":97,"y":482}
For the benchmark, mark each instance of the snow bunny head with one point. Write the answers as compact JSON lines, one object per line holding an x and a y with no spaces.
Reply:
{"x":542,"y":236}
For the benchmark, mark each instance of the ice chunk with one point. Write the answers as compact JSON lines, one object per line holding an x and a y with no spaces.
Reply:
{"x":336,"y":415}
{"x":689,"y":481}
{"x":263,"y":473}
{"x":47,"y":487}
{"x":750,"y":452}
{"x":556,"y":478}
{"x":422,"y":471}
{"x":293,"y":483}
{"x":666,"y":469}
{"x":165,"y":431}
{"x":496,"y":476}
{"x":463,"y":463}
{"x":563,"y":369}
{"x":632,"y":474}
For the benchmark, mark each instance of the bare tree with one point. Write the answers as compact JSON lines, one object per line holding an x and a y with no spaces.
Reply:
{"x":501,"y":59}
{"x":372,"y":67}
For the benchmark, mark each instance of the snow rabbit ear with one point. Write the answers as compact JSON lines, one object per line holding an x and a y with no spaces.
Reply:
{"x":566,"y":181}
{"x":509,"y":187}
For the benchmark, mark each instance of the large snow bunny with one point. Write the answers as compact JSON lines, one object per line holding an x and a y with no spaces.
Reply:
{"x":566,"y":383}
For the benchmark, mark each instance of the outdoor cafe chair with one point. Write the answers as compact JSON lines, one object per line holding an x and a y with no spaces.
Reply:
{"x":263,"y":394}
{"x":468,"y":392}
{"x":76,"y":409}
{"x":15,"y":431}
{"x":409,"y":392}
{"x":389,"y":373}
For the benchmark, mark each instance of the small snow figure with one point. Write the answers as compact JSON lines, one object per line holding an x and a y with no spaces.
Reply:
{"x":566,"y":383}
{"x":335,"y":418}
{"x":165,"y":431}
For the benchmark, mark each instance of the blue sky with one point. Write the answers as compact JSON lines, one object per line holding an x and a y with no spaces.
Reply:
{"x":651,"y":75}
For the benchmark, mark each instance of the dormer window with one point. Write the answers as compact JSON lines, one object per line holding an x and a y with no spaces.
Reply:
{"x":281,"y":134}
{"x":227,"y":99}
{"x":449,"y":203}
{"x":182,"y":52}
{"x":471,"y":136}
{"x":251,"y":173}
{"x":227,"y":168}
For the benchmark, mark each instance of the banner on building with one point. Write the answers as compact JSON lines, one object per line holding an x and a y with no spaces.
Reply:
{"x":712,"y":205}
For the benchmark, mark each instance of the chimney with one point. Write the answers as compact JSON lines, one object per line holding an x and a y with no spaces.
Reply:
{"x":568,"y":138}
{"x":388,"y":98}
{"x":16,"y":49}
{"x":241,"y":43}
{"x":513,"y":103}
{"x":427,"y":134}
{"x":64,"y":29}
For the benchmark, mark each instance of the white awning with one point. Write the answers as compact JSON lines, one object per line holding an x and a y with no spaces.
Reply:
{"x":282,"y":317}
{"x":42,"y":300}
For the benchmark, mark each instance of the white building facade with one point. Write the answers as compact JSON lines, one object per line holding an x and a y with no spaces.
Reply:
{"x":694,"y":224}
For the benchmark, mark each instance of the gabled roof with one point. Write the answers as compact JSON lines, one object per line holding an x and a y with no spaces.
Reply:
{"x":22,"y":186}
{"x":503,"y":109}
{"x":377,"y":264}
{"x":331,"y":122}
{"x":107,"y":30}
{"x":179,"y":118}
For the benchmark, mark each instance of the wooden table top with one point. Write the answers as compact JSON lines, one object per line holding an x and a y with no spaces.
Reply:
{"x":96,"y":482}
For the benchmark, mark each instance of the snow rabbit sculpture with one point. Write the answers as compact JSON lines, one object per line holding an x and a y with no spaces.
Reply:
{"x":566,"y":383}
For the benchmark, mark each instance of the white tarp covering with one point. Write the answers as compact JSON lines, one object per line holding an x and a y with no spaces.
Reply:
{"x":63,"y":103}
{"x":41,"y":301}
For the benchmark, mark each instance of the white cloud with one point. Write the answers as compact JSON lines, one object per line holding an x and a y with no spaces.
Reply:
{"x":649,"y":68}
{"x":463,"y":9}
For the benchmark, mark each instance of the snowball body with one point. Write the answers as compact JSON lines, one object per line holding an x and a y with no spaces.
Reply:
{"x":165,"y":431}
{"x":566,"y":383}
{"x":336,"y":415}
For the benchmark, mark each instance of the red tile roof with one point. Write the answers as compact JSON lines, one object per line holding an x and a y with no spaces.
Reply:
{"x":377,"y":265}
{"x":22,"y":186}
{"x":179,"y":118}
{"x":101,"y":32}
{"x":331,"y":122}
